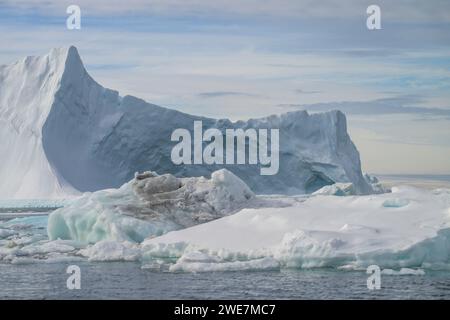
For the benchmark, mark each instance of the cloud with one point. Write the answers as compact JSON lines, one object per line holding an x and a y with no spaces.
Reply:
{"x":216,"y":94}
{"x":302,"y":91}
{"x":378,"y":52}
{"x":110,"y":66}
{"x":408,"y":11}
{"x":406,"y":104}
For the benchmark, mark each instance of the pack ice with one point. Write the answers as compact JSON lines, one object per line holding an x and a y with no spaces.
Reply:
{"x":62,"y":133}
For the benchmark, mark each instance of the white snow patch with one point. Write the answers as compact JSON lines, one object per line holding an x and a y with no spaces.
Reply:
{"x":337,"y":189}
{"x":403,"y":272}
{"x":263,"y":264}
{"x":112,"y":251}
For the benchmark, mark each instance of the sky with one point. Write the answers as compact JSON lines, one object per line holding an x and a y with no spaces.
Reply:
{"x":251,"y":58}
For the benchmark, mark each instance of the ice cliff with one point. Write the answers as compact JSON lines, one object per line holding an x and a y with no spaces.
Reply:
{"x":63,"y":133}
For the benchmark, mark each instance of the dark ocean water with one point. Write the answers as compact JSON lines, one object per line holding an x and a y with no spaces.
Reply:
{"x":126,"y":280}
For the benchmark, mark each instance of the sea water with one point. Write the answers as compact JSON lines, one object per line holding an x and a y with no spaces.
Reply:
{"x":126,"y":280}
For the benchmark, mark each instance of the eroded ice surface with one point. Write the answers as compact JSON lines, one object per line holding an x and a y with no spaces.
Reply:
{"x":149,"y":205}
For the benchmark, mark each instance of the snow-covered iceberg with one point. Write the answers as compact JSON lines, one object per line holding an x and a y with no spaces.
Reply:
{"x":63,"y":133}
{"x":404,"y":232}
{"x":148,"y":206}
{"x":347,"y":233}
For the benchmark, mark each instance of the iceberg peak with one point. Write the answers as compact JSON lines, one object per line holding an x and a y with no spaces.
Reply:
{"x":73,"y":59}
{"x":68,"y":61}
{"x":69,"y":53}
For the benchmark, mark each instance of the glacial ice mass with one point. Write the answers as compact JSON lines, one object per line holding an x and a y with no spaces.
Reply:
{"x":64,"y":134}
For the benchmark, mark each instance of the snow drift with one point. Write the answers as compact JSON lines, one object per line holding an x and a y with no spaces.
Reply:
{"x":63,"y":133}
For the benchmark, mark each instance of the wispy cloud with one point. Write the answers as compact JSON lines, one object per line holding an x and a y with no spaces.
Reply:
{"x":395,"y":105}
{"x":217,"y":94}
{"x":399,"y":10}
{"x":302,"y":91}
{"x":111,"y":66}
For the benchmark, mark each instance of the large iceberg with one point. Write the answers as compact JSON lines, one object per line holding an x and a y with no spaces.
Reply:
{"x":199,"y":224}
{"x":347,"y":233}
{"x":63,"y":133}
{"x":408,"y":228}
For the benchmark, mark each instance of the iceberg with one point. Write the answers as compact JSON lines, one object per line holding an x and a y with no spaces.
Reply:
{"x":68,"y":137}
{"x":64,"y":134}
{"x":149,"y":205}
{"x":190,"y":225}
{"x":347,"y":233}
